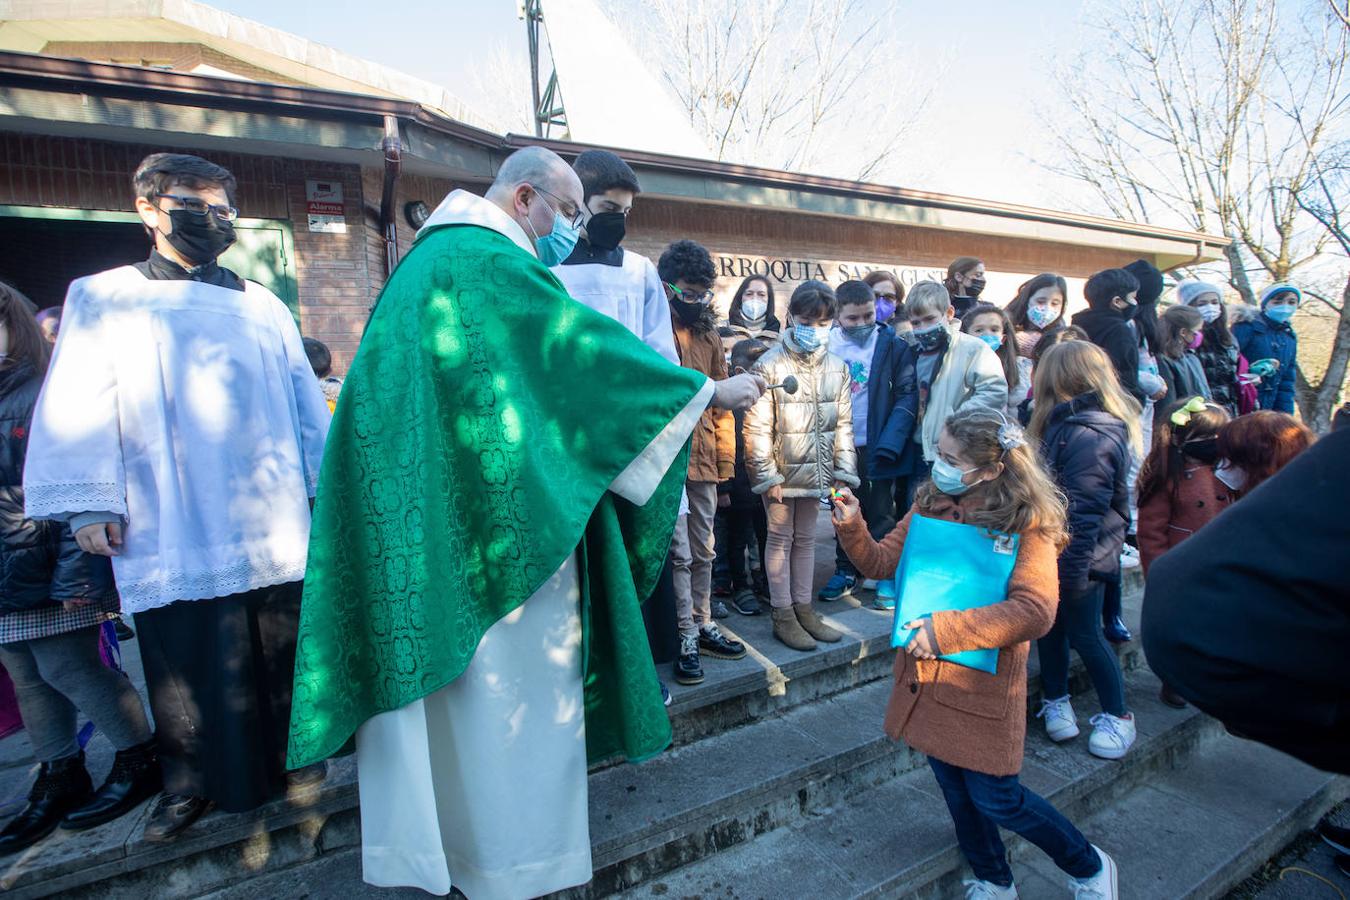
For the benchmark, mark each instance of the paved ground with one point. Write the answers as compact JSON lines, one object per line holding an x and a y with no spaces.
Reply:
{"x":1303,"y":871}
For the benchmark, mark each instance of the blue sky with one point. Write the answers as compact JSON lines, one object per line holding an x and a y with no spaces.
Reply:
{"x":982,"y":120}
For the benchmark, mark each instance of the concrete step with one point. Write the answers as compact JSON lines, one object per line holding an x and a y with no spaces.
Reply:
{"x":896,"y":839}
{"x":646,"y":820}
{"x":1200,"y":829}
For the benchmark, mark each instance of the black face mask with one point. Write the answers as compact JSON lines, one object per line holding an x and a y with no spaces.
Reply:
{"x":200,"y":239}
{"x":1129,"y":312}
{"x":1206,"y":450}
{"x":975,"y":288}
{"x":605,"y":230}
{"x":687,"y":312}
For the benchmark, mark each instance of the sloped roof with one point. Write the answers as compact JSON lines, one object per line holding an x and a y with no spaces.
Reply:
{"x":28,"y":26}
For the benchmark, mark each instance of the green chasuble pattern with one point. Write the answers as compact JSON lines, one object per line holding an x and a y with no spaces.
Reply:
{"x":481,"y":424}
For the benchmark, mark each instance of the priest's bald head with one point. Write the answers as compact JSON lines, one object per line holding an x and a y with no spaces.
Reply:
{"x":540,"y":192}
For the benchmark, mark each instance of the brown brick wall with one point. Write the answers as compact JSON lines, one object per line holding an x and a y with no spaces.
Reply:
{"x":332,"y":270}
{"x":339,"y":275}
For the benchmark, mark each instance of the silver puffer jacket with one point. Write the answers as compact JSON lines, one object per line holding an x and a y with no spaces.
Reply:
{"x":803,"y":441}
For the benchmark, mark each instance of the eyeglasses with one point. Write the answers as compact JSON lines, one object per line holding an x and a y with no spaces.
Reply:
{"x":574,"y":217}
{"x":199,"y":207}
{"x":705,"y":297}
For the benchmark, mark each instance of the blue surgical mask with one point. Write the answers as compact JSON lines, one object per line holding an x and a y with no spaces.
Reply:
{"x":558,"y":244}
{"x":1281,"y":314}
{"x":1041,"y":316}
{"x":993,"y":340}
{"x":947,"y":478}
{"x":810,"y":337}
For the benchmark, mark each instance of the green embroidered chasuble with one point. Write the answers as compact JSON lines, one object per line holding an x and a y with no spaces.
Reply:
{"x":481,"y":424}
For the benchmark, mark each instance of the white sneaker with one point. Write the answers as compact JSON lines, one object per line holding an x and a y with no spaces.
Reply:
{"x":1111,"y":737}
{"x":1060,"y":722}
{"x":1129,"y":557}
{"x":987,"y":890}
{"x":1102,"y":886}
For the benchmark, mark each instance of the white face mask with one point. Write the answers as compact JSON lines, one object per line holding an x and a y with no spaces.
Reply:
{"x":754,"y":309}
{"x":1209,"y":312}
{"x":1234,"y":477}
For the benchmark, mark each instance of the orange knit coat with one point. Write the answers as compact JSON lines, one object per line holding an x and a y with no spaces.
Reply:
{"x":960,"y":715}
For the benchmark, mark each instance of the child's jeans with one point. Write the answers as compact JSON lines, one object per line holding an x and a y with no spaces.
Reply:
{"x":980,"y":804}
{"x":877,"y":499}
{"x":691,"y":553}
{"x":790,"y":551}
{"x":1078,"y":624}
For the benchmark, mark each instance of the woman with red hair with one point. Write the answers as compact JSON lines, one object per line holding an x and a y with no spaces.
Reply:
{"x":1256,"y":446}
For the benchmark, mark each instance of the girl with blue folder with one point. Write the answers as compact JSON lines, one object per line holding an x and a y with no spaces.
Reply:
{"x":975,"y":565}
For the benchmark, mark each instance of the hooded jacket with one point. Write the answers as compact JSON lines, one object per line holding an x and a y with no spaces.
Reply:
{"x":969,"y":375}
{"x":802,"y":441}
{"x":1108,"y":330}
{"x":1264,"y":338}
{"x":1088,"y":451}
{"x":712,"y":454}
{"x":40,"y":563}
{"x":1250,"y":618}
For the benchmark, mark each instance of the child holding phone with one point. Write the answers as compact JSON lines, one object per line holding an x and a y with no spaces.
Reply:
{"x":971,"y":724}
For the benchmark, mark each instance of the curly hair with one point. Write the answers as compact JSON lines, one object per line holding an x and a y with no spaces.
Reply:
{"x":686,"y":261}
{"x":1022,"y":497}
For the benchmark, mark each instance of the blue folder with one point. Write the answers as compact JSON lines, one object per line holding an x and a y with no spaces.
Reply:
{"x":950,"y":566}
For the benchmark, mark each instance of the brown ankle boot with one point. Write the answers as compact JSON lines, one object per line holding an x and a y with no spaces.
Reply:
{"x":814,"y":626}
{"x":788,"y":630}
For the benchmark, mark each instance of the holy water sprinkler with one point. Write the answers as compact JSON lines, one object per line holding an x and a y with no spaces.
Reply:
{"x":789,"y":385}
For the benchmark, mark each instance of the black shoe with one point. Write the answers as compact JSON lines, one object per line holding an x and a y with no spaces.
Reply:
{"x":1116,"y":632}
{"x":1171,"y":698}
{"x":62,"y":785}
{"x":172,"y":815}
{"x":124,"y":632}
{"x":746,"y":603}
{"x":719,"y":610}
{"x":1336,"y":837}
{"x":133,"y":779}
{"x":688,"y":670}
{"x":307,"y":775}
{"x":714,"y":643}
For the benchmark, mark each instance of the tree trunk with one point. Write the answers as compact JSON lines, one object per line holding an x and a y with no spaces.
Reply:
{"x":1238,"y":273}
{"x":1318,"y":402}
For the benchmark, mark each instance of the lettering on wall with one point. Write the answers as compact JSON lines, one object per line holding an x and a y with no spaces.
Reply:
{"x":786,"y":274}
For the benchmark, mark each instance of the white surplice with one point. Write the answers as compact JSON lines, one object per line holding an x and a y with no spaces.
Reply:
{"x":190,"y":410}
{"x":482,"y":784}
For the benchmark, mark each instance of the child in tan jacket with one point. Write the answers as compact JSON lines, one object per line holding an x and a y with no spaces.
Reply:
{"x":971,"y":724}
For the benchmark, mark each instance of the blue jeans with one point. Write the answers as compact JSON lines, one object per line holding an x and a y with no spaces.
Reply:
{"x":981,"y":803}
{"x":1078,"y":624}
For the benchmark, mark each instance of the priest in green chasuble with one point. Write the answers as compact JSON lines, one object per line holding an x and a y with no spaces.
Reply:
{"x":498,"y":492}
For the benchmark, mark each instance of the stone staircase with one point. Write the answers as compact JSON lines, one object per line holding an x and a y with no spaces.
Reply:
{"x":780,"y":785}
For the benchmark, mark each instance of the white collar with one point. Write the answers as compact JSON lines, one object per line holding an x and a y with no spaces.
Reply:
{"x":463,"y":208}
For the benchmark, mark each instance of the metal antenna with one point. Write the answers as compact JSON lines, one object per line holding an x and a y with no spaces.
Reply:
{"x":548,"y":104}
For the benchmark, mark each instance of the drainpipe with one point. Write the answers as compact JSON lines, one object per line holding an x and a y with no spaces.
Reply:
{"x":393,"y":165}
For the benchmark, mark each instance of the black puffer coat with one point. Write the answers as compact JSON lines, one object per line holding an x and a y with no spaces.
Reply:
{"x":1088,"y":451}
{"x":40,"y":563}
